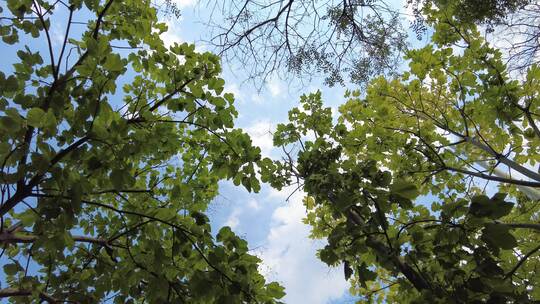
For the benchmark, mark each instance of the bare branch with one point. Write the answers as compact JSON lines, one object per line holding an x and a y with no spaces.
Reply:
{"x":342,"y":40}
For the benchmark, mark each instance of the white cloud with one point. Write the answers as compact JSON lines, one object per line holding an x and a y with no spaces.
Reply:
{"x":261,"y":135}
{"x":275,"y":86}
{"x":254,"y":204}
{"x":289,"y":256}
{"x":257,"y":98}
{"x":172,"y":35}
{"x":335,"y":113}
{"x":234,"y":218}
{"x":57,"y":34}
{"x":235,"y":90}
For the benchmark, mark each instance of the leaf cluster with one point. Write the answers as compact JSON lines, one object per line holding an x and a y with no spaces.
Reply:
{"x":112,"y":146}
{"x":395,"y":184}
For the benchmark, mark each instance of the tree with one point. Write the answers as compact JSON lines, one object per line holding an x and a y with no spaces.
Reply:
{"x":396,"y":184}
{"x":490,"y":12}
{"x":352,"y":40}
{"x":511,"y":24}
{"x":341,"y":40}
{"x":109,"y":159}
{"x":521,"y":36}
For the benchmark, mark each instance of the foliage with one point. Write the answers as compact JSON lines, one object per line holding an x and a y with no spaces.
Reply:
{"x":481,"y":11}
{"x":509,"y":24}
{"x":395,"y":185}
{"x":110,"y":158}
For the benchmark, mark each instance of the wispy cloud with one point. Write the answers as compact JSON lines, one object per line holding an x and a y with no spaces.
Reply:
{"x":234,"y":218}
{"x":290,"y":257}
{"x":233,"y":88}
{"x":257,"y":98}
{"x":57,"y":34}
{"x":172,"y":35}
{"x":275,"y":86}
{"x":261,"y":135}
{"x":254,"y":204}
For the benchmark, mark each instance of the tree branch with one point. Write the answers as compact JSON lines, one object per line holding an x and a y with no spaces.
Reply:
{"x":24,"y":191}
{"x":15,"y":292}
{"x":412,"y":275}
{"x":11,"y":238}
{"x":65,"y":43}
{"x":523,"y":259}
{"x":521,"y":225}
{"x":495,"y":178}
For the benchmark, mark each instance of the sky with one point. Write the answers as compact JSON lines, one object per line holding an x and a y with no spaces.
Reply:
{"x":270,"y":223}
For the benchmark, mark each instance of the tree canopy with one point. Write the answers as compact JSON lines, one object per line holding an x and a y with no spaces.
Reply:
{"x":112,"y":145}
{"x":397,"y":185}
{"x":511,"y":25}
{"x":109,"y":160}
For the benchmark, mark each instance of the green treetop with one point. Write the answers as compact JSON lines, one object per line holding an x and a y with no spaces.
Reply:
{"x":109,"y":159}
{"x":397,"y":184}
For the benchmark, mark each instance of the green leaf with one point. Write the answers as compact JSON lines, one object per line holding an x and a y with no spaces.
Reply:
{"x":49,"y":122}
{"x":196,"y":90}
{"x":404,"y":189}
{"x":5,"y":148}
{"x":455,"y":209}
{"x":35,"y":117}
{"x":225,"y":234}
{"x":385,"y":178}
{"x":9,"y":124}
{"x":12,"y":269}
{"x":27,"y":218}
{"x":343,"y":201}
{"x":494,"y":208}
{"x":229,"y":97}
{"x":10,"y":84}
{"x":114,"y":63}
{"x":364,"y":274}
{"x":328,"y":255}
{"x":498,"y":235}
{"x":200,"y":218}
{"x":275,"y":290}
{"x":121,"y":179}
